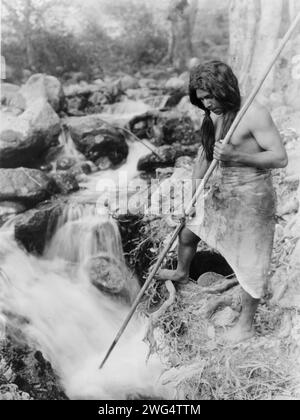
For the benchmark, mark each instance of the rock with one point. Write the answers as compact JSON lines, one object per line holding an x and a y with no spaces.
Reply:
{"x":81,"y":89}
{"x":128,"y":82}
{"x":208,"y":278}
{"x":148,"y":83}
{"x":65,"y":182}
{"x":185,"y":162}
{"x":172,"y":127}
{"x":75,"y":77}
{"x":104,"y":163}
{"x":41,"y":86}
{"x":46,"y":168}
{"x":208,"y":267}
{"x":74,"y":105}
{"x":138,"y":94}
{"x":193,"y":62}
{"x":105,"y":274}
{"x":164,"y":173}
{"x":225,"y":317}
{"x":168,"y":156}
{"x":24,"y":138}
{"x":32,"y":375}
{"x":176,"y":83}
{"x":95,"y":138}
{"x":100,"y":83}
{"x":65,"y":163}
{"x":83,"y":168}
{"x":128,"y":108}
{"x":33,"y":227}
{"x":11,"y":392}
{"x":23,"y":185}
{"x":98,"y":99}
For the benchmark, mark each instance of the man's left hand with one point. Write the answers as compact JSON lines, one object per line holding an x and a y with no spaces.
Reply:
{"x":224,"y":152}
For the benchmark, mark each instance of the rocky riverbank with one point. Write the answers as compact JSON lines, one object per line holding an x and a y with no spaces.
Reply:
{"x":56,"y":138}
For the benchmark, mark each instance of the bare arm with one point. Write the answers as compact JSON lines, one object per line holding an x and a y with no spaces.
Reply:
{"x":263,"y":129}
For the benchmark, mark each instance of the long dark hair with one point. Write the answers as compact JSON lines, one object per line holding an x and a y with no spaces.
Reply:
{"x":218,"y":79}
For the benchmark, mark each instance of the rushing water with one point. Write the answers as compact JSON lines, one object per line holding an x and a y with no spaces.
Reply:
{"x":62,"y":313}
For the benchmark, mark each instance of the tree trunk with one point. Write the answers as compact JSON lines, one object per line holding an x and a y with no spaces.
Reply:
{"x":291,"y":87}
{"x":254,"y":32}
{"x":27,"y":35}
{"x":243,"y":21}
{"x":266,"y":43}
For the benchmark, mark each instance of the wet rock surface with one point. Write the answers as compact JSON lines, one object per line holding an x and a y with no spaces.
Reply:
{"x":25,"y":137}
{"x":25,"y":186}
{"x":24,"y":372}
{"x":167,"y":156}
{"x":33,"y":227}
{"x":96,"y":139}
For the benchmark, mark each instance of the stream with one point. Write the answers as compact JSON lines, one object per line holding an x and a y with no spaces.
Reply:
{"x":63,"y":313}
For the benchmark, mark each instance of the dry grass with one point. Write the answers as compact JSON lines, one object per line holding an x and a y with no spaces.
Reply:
{"x":201,"y":367}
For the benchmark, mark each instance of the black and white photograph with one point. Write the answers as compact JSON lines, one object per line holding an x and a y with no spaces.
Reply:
{"x":149,"y":203}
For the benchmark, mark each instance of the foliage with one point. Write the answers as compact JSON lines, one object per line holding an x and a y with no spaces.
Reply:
{"x":37,"y":39}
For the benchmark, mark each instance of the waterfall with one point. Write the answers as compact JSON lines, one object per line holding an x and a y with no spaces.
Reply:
{"x":69,"y":318}
{"x":70,"y":302}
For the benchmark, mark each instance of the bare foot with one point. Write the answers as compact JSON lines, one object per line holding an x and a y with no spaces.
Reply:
{"x":172,"y":275}
{"x":238,"y":333}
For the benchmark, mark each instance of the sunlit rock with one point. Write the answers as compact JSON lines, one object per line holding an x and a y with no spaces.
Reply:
{"x":24,"y":138}
{"x":40,"y":86}
{"x":23,"y":185}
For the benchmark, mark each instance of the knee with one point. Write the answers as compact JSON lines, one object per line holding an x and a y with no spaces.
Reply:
{"x":188,"y":238}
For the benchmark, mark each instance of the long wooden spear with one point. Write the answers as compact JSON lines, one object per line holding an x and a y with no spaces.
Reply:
{"x":201,"y":186}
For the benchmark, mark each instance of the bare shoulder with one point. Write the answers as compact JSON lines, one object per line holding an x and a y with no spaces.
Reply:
{"x":258,"y":115}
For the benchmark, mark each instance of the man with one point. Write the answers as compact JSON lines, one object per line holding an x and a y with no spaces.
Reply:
{"x":239,"y":209}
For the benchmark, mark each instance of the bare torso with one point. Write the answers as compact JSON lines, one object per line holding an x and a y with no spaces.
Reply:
{"x":242,"y":138}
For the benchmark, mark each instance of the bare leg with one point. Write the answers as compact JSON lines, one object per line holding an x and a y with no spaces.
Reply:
{"x":244,"y":330}
{"x":187,"y":247}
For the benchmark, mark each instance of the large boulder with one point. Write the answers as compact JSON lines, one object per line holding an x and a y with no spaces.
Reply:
{"x":97,"y":139}
{"x":33,"y":227}
{"x":128,"y":82}
{"x":23,"y":185}
{"x":166,"y":156}
{"x":25,"y":137}
{"x":40,"y":86}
